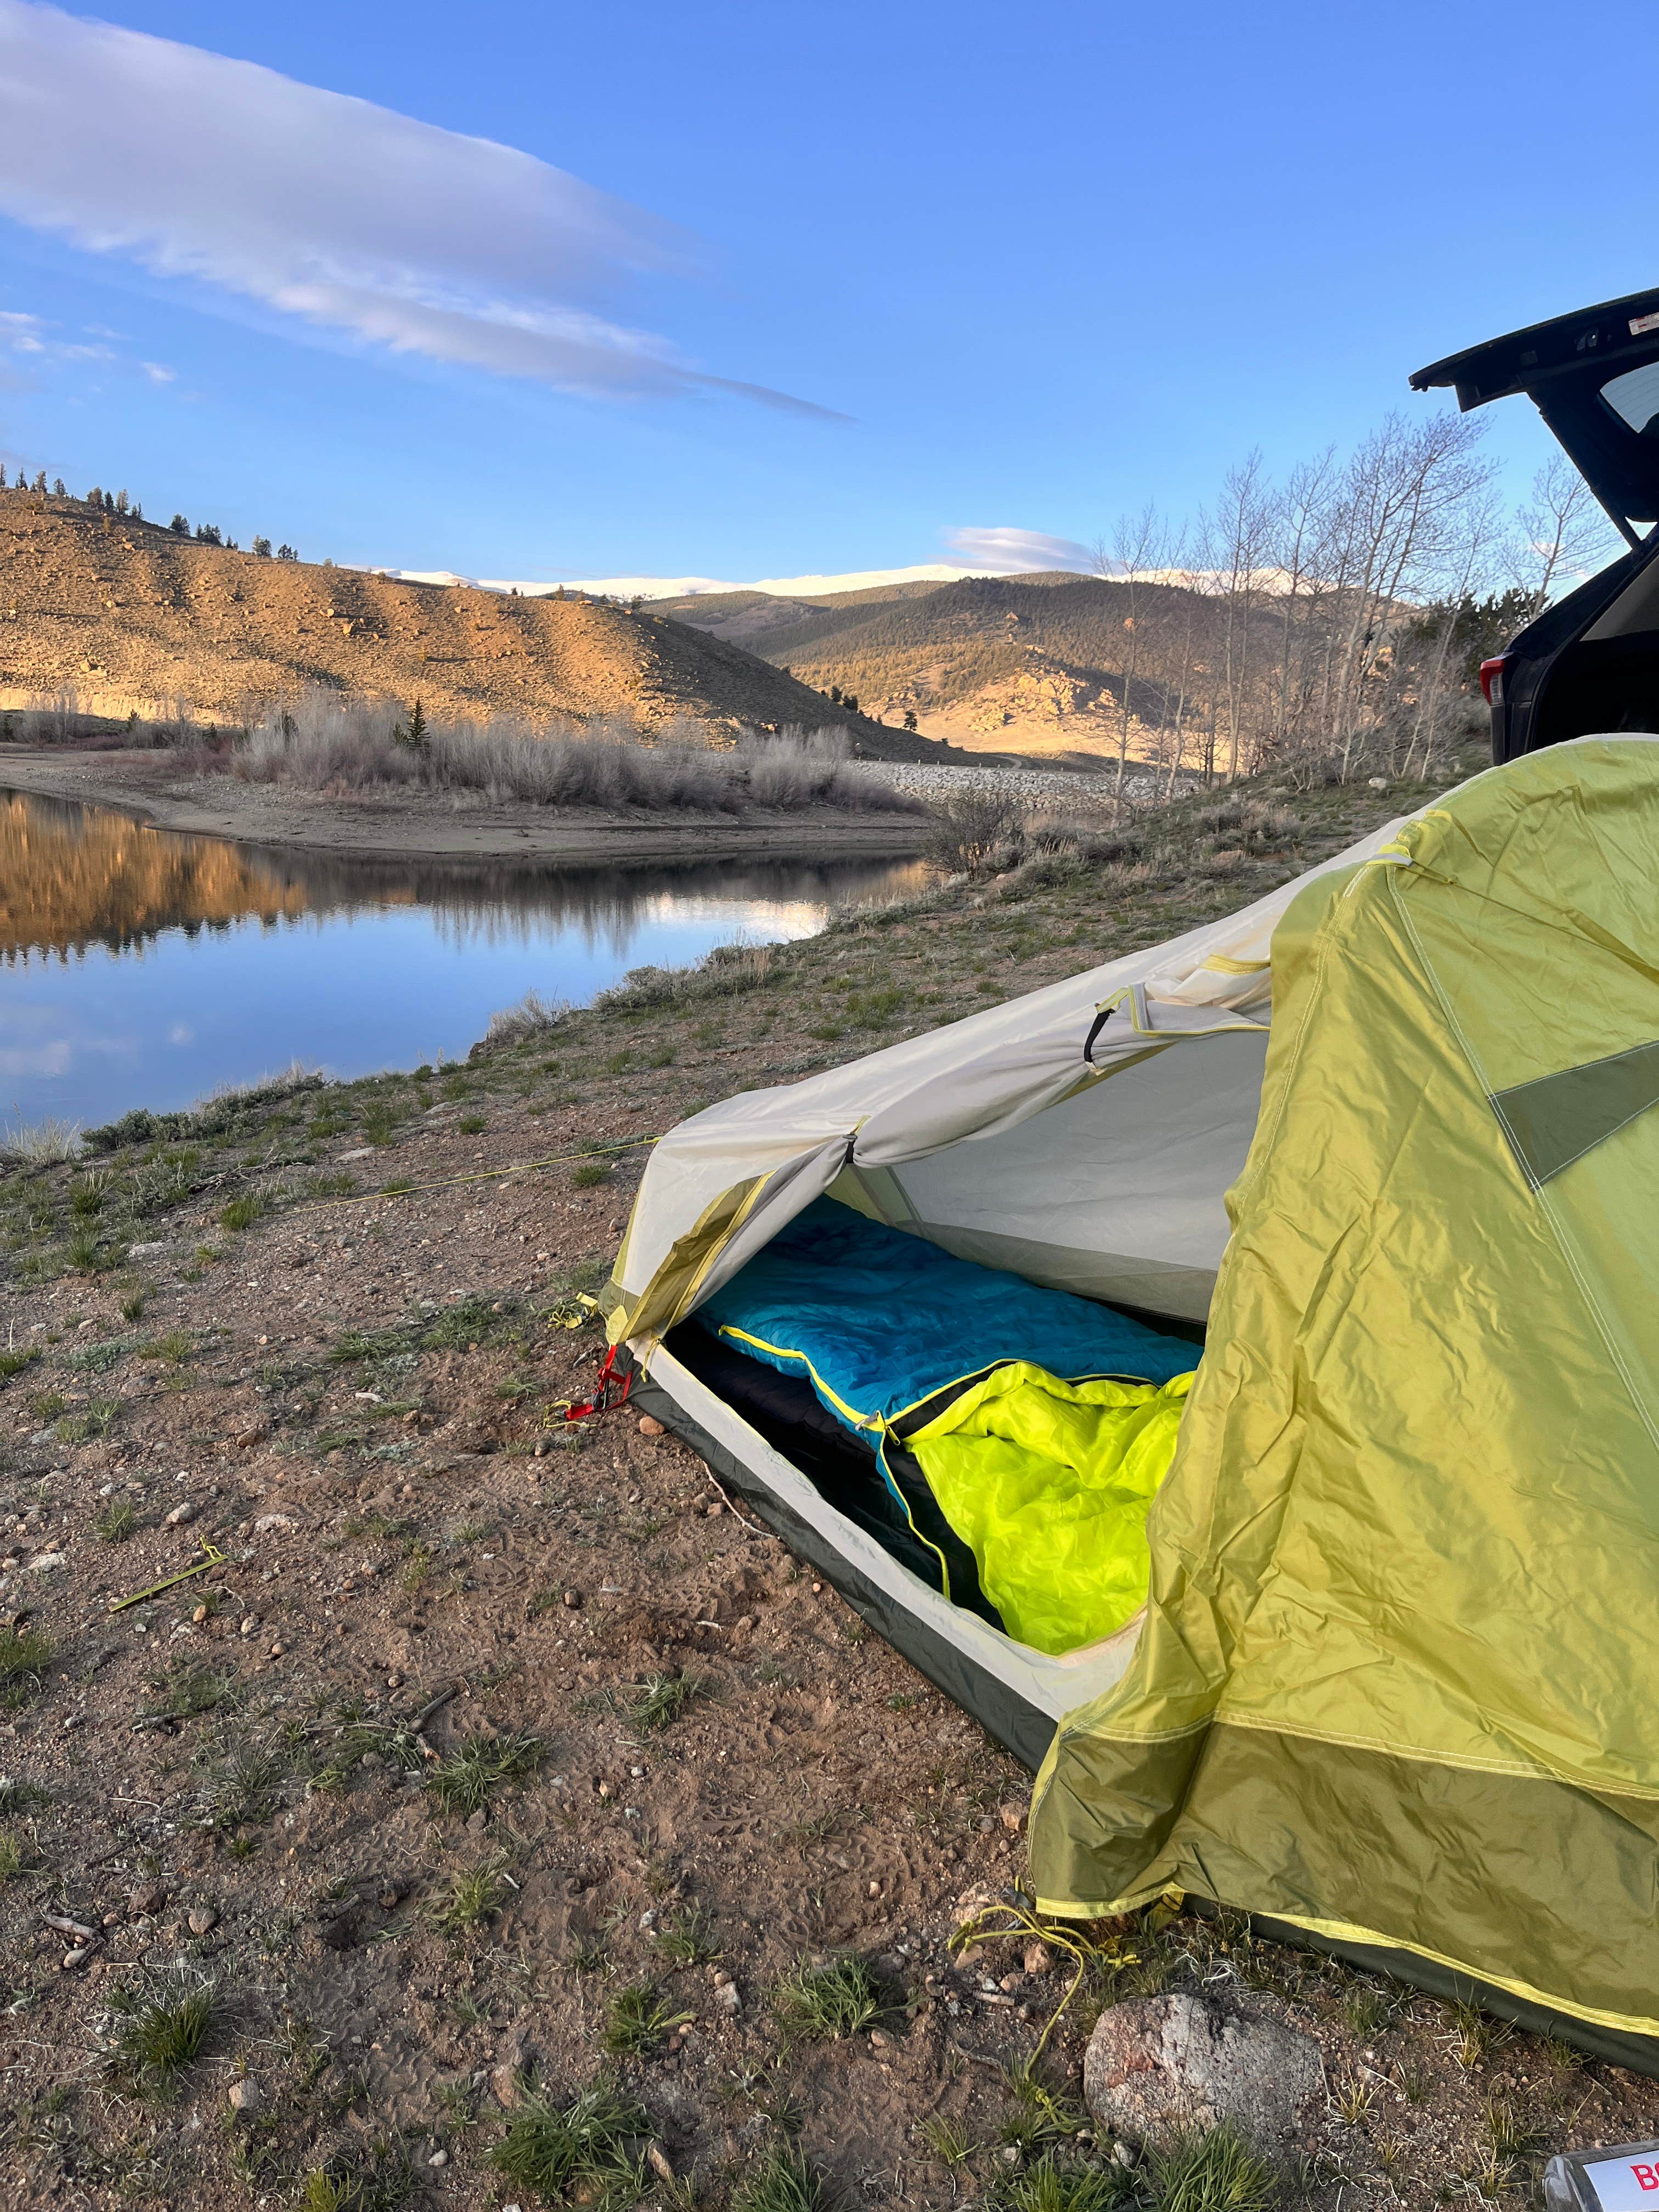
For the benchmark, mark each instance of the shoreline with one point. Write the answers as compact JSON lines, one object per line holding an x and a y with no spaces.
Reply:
{"x":153,"y":788}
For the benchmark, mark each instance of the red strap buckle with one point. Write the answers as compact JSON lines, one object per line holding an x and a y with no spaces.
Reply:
{"x":611,"y":1390}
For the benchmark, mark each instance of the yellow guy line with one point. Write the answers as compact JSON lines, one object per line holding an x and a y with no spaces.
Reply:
{"x":215,"y":1558}
{"x":483,"y":1174}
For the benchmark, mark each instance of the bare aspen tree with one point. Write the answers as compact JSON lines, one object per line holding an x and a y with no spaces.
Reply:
{"x":1561,"y":533}
{"x":1134,"y":550}
{"x":1241,"y":529}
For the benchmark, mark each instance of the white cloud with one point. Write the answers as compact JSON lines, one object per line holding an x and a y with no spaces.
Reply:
{"x":1007,"y":552}
{"x":329,"y":208}
{"x":158,"y":372}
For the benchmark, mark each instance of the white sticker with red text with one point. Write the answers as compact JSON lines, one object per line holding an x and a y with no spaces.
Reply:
{"x":1622,"y":2184}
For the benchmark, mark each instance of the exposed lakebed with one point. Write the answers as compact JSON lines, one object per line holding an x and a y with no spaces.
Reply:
{"x":148,"y":967}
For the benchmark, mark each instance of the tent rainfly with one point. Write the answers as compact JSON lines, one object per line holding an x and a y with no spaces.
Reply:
{"x":1378,"y":1665}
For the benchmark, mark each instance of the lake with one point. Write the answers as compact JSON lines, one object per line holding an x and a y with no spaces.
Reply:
{"x":146,"y":967}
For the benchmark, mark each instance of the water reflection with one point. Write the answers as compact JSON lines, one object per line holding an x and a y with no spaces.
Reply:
{"x":146,"y":967}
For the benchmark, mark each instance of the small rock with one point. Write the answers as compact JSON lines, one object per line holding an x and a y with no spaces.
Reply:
{"x":478,"y":1822}
{"x":438,"y":2157}
{"x":878,"y":2040}
{"x":1157,"y":2065}
{"x":268,"y":1522}
{"x":150,"y":1900}
{"x":199,"y":1615}
{"x":714,"y":1507}
{"x":394,"y":1680}
{"x":1011,"y":1814}
{"x":244,"y":2096}
{"x":277,"y":1650}
{"x":180,"y":1516}
{"x":1039,"y":1960}
{"x":202,"y":1919}
{"x":75,"y":1958}
{"x":651,"y":1426}
{"x":727,"y":2000}
{"x":112,"y":1920}
{"x":573,"y":1598}
{"x":48,"y":1562}
{"x":249,"y":1438}
{"x":745,"y":1621}
{"x":657,"y":2158}
{"x":250,"y":1622}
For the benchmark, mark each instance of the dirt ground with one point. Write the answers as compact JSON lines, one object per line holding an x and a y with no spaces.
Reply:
{"x":493,"y":1758}
{"x":425,"y":825}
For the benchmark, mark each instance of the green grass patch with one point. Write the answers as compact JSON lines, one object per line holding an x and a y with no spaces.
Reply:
{"x":25,"y":1655}
{"x":820,"y":2004}
{"x":637,"y":2021}
{"x":463,"y":1783}
{"x":161,"y":2028}
{"x":587,"y":1174}
{"x":1219,"y":2172}
{"x":575,"y":2152}
{"x":242,"y":1213}
{"x":13,"y":1363}
{"x":116,"y":1523}
{"x":475,"y":1895}
{"x":783,"y":2179}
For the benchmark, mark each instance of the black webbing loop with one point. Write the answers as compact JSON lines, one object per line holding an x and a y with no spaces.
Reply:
{"x":1100,"y":1022}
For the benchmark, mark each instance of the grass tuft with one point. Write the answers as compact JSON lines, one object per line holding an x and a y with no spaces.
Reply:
{"x":657,"y":1701}
{"x":463,"y":1782}
{"x":575,"y":2151}
{"x":476,"y":1894}
{"x":160,"y":2032}
{"x":784,"y":2180}
{"x":1049,"y":2186}
{"x":817,"y":2004}
{"x":637,"y":2021}
{"x":378,"y":2180}
{"x":1219,"y":2171}
{"x":686,"y":1939}
{"x":116,"y":1523}
{"x":25,"y":1654}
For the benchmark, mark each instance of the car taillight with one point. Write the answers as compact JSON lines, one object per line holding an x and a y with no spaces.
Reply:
{"x":1492,"y":680}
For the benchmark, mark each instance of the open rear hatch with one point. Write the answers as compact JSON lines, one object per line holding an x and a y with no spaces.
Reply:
{"x":1593,"y":377}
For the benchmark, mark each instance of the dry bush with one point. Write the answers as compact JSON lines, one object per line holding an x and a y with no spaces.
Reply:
{"x":323,"y":742}
{"x":795,"y":770}
{"x":974,"y":832}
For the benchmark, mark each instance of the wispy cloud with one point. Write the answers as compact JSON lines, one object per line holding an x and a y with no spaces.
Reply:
{"x":330,"y":208}
{"x":1007,"y":552}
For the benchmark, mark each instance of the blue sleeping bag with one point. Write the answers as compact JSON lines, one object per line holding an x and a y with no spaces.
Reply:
{"x":881,"y":1322}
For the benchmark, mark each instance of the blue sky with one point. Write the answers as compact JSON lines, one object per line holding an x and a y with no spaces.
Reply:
{"x":1024,"y":269}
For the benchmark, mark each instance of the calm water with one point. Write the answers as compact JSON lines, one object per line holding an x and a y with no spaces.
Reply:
{"x":139,"y":967}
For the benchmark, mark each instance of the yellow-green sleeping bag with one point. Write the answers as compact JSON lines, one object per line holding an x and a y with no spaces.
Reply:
{"x":1048,"y":1484}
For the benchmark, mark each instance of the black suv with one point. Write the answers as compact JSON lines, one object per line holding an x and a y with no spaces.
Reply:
{"x":1590,"y":662}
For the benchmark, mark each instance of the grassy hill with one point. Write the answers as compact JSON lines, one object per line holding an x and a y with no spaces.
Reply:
{"x":124,"y":613}
{"x":1020,"y":663}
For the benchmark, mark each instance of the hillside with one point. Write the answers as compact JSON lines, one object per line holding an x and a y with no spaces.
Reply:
{"x":124,"y":614}
{"x":1020,"y":663}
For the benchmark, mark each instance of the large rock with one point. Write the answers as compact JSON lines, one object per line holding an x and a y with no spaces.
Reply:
{"x":1157,"y":2064}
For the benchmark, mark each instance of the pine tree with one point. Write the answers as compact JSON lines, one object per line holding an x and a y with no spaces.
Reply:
{"x":180,"y":526}
{"x":2,"y":475}
{"x":57,"y":490}
{"x":138,"y":511}
{"x":835,"y":694}
{"x":261,"y":548}
{"x":94,"y":497}
{"x":121,"y":501}
{"x":909,"y":718}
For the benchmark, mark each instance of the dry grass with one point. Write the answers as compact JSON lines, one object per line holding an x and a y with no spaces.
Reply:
{"x":323,"y":742}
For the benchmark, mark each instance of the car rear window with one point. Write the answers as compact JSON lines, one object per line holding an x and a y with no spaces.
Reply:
{"x":1635,"y":395}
